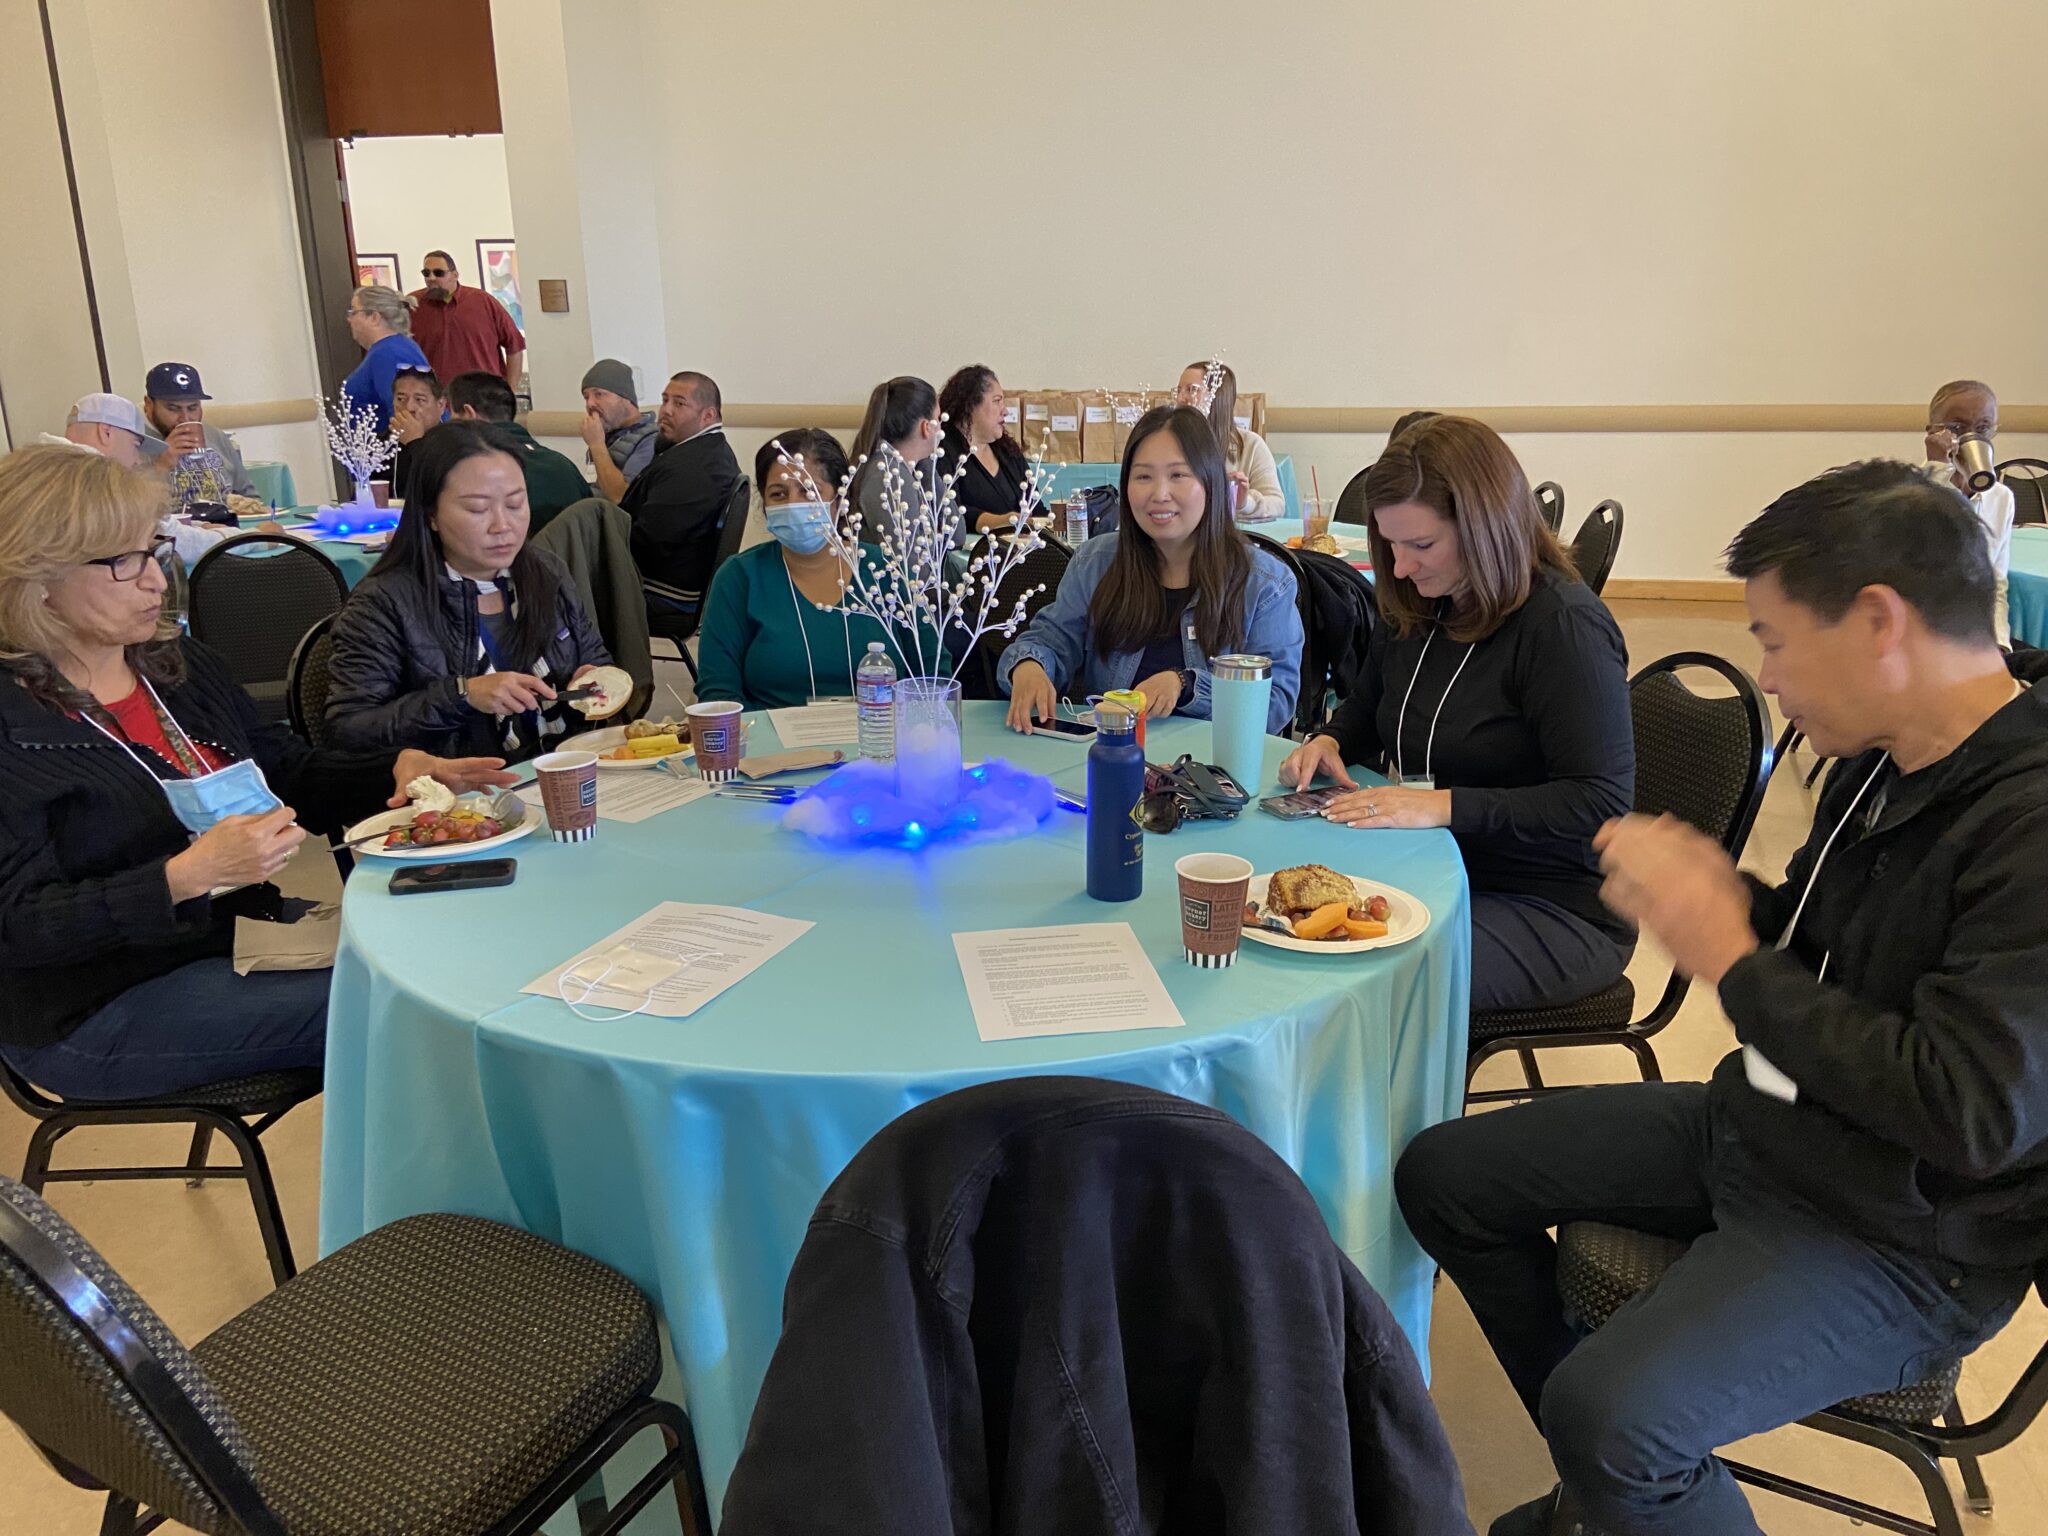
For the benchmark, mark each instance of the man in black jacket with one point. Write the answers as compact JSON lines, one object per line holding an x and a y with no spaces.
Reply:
{"x":1866,"y":1180}
{"x":676,"y":501}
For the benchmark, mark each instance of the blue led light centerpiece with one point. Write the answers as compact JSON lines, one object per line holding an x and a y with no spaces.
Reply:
{"x":859,"y":806}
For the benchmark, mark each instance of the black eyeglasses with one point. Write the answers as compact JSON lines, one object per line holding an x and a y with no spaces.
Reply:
{"x":435,"y":271}
{"x":130,"y":566}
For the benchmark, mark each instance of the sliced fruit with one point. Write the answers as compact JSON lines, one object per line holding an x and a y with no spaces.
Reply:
{"x":1322,"y":921}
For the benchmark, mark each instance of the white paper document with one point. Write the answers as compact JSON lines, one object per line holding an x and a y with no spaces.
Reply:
{"x":1083,"y":979}
{"x":631,"y":797}
{"x":715,"y":946}
{"x":817,"y":725}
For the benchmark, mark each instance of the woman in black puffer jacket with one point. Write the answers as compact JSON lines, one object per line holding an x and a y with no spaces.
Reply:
{"x":459,"y":639}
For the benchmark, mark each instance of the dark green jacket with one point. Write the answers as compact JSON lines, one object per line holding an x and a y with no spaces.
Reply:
{"x":552,"y":481}
{"x":594,"y":540}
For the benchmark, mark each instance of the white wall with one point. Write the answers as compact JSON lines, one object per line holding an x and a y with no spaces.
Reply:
{"x":414,"y":195}
{"x":1576,"y":202}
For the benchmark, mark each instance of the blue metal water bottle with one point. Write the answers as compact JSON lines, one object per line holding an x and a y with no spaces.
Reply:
{"x":1116,"y":781}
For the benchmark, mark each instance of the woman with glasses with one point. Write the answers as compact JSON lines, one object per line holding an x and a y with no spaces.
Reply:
{"x":144,"y":808}
{"x":380,"y":320}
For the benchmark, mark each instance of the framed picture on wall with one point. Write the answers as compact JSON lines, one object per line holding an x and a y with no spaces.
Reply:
{"x":497,"y":271}
{"x":378,"y":271}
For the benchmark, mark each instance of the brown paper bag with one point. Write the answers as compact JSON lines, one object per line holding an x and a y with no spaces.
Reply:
{"x":1154,"y":398}
{"x":1065,"y":412}
{"x":1129,"y":406}
{"x":1036,"y":413}
{"x":1098,"y":427}
{"x":1258,"y":404}
{"x":1013,"y":419}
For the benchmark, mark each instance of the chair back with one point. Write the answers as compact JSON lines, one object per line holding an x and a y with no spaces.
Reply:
{"x":1044,"y":565}
{"x":1351,"y":500}
{"x":1702,"y":757}
{"x":252,"y":598}
{"x":732,"y":525}
{"x":307,"y":682}
{"x":1315,"y":659}
{"x":2027,"y":479}
{"x":104,"y":1390}
{"x":1596,"y":544}
{"x":1550,"y":502}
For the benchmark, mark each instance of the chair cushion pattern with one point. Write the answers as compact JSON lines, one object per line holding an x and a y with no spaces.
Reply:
{"x":239,"y":1095}
{"x":429,"y":1376}
{"x":1609,"y":1009}
{"x":1600,"y":1266}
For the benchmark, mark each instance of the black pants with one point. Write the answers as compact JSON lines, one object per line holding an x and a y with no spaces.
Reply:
{"x":1531,"y":953}
{"x":1774,"y":1313}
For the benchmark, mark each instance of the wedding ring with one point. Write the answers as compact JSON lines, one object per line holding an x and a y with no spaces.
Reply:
{"x":1371,"y":809}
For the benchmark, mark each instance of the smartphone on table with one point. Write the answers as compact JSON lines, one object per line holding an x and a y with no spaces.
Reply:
{"x":1080,"y":730}
{"x":477,"y":876}
{"x":1301,"y":804}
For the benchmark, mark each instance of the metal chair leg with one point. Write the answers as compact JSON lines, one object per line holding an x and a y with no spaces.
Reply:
{"x":1531,"y":1074}
{"x":119,"y":1519}
{"x":1976,"y":1492}
{"x":1941,"y":1503}
{"x":1646,"y":1058}
{"x":202,"y":1140}
{"x":277,"y":1246}
{"x":35,"y":1163}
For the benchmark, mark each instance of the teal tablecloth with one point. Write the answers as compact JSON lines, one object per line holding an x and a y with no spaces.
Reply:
{"x":273,"y":482}
{"x":1056,"y":480}
{"x":690,"y":1153}
{"x":1350,"y":536}
{"x":2026,"y":592}
{"x":355,"y":560}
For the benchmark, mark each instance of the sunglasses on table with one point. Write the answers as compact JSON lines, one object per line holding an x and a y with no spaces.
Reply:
{"x":130,"y":566}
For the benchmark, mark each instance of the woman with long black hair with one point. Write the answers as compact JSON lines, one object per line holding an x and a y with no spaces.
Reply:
{"x":991,"y":467}
{"x":896,"y":451}
{"x":459,"y":638}
{"x":1148,"y":605}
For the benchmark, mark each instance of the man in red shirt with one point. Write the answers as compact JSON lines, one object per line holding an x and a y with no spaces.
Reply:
{"x":463,"y":330}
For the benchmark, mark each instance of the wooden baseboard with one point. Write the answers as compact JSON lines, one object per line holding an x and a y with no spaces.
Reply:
{"x":1674,"y":590}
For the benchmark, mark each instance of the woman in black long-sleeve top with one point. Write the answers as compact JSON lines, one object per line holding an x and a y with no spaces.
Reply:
{"x":992,"y":467}
{"x":1496,"y":699}
{"x":143,"y":807}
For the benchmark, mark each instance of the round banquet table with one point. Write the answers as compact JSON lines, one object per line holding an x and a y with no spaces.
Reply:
{"x":690,"y":1153}
{"x":2026,"y":591}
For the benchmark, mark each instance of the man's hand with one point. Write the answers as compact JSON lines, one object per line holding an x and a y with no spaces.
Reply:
{"x":593,"y":432}
{"x":186,"y":437}
{"x":408,"y":425}
{"x":461,"y":774}
{"x":1679,"y":886}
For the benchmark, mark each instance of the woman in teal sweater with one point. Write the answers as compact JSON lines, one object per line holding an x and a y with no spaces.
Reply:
{"x":764,"y":642}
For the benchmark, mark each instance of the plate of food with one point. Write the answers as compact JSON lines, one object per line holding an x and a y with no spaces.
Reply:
{"x":600,"y":693}
{"x":641,"y":744}
{"x":1318,"y":911}
{"x":440,"y":824}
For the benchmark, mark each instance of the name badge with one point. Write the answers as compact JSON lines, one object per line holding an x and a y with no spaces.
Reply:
{"x":1414,"y":781}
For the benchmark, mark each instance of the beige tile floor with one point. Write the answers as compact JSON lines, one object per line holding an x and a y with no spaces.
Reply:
{"x":194,"y":1256}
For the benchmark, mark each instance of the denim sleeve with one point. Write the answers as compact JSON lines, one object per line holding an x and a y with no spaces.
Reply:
{"x":1273,"y":628}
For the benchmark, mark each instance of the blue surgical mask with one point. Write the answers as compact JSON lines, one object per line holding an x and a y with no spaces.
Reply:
{"x":199,"y":804}
{"x":801,"y":527}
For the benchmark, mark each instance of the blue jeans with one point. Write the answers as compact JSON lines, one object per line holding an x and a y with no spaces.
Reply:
{"x":196,"y":1025}
{"x":1774,"y":1313}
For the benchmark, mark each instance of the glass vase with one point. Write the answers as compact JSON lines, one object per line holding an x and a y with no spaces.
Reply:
{"x":365,"y":501}
{"x":928,"y":760}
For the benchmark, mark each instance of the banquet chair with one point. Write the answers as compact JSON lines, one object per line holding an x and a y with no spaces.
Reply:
{"x":1550,"y":502}
{"x":1351,"y":500}
{"x":443,"y":1376}
{"x":1044,"y":565}
{"x":673,"y":614}
{"x":1705,"y":758}
{"x":1596,"y":544}
{"x":252,"y":597}
{"x":2027,"y":479}
{"x":1310,"y":702}
{"x":307,"y":681}
{"x":1601,"y":1267}
{"x":241,"y":1109}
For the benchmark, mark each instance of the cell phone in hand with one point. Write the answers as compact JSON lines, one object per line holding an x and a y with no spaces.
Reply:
{"x":1080,"y":730}
{"x":477,"y":876}
{"x":1302,"y":804}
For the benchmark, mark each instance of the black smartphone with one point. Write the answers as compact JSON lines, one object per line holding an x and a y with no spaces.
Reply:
{"x":1302,"y":803}
{"x":1080,"y":730}
{"x":454,"y":877}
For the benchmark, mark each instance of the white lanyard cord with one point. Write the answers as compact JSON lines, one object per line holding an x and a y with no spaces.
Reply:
{"x":1785,"y":938}
{"x":169,"y":719}
{"x":1401,"y":722}
{"x":846,"y":629}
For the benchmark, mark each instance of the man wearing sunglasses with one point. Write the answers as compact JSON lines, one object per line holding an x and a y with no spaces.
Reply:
{"x":464,"y":330}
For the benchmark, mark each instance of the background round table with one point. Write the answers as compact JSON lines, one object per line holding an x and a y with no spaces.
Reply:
{"x":355,"y":560}
{"x":2026,"y":590}
{"x":690,"y":1153}
{"x":1055,"y":481}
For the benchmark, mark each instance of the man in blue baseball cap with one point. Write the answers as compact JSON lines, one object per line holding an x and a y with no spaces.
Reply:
{"x":207,"y":463}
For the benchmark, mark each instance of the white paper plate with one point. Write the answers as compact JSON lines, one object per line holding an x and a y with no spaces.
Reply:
{"x":1407,"y":918}
{"x":384,"y":821}
{"x":611,"y":736}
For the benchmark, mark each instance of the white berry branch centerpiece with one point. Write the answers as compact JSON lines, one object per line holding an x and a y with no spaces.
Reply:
{"x":358,"y":447}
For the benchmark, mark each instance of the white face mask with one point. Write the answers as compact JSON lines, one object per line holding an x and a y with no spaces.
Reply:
{"x":621,"y":972}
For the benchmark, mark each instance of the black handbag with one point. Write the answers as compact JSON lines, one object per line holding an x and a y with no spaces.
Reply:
{"x":1188,"y":791}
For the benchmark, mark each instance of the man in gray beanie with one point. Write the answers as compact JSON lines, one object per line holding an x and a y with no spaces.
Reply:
{"x":621,"y":436}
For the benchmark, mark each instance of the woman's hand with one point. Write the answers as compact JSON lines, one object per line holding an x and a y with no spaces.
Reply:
{"x":1387,"y":806}
{"x":1243,"y":485}
{"x":1162,"y":694}
{"x":506,"y":693}
{"x":1319,"y":754}
{"x":1032,"y":695}
{"x":461,"y":774}
{"x":234,"y":851}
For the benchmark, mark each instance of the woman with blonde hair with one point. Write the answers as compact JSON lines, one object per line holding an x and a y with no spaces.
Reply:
{"x":1513,"y":732}
{"x":143,"y":807}
{"x":380,"y":320}
{"x":1211,"y":388}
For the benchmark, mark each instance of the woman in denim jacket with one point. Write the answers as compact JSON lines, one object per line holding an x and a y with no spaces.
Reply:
{"x":1147,"y":606}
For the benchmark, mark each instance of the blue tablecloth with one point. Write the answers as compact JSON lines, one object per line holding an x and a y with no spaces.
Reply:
{"x":1350,"y":536}
{"x":690,"y":1153}
{"x":1056,"y":480}
{"x":273,"y":482}
{"x":2026,"y":593}
{"x":355,"y":560}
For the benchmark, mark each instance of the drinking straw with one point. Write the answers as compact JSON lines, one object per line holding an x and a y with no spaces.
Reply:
{"x":1315,"y":484}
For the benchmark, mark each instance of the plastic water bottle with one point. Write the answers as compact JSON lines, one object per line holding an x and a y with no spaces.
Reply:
{"x":1077,"y":519}
{"x":874,"y":686}
{"x":1116,"y":781}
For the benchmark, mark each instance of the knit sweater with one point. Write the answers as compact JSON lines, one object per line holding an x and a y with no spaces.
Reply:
{"x":85,"y":906}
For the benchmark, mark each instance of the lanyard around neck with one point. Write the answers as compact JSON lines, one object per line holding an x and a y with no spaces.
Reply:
{"x":1401,"y":720}
{"x":183,"y":752}
{"x":845,"y":624}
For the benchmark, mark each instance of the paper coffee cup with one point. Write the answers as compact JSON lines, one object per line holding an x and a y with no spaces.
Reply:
{"x":719,"y":733}
{"x":568,"y":789}
{"x":380,"y":492}
{"x":1212,"y":892}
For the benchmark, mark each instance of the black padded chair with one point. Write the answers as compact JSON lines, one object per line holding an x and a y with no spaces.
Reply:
{"x":2028,"y":481}
{"x":1704,"y":758}
{"x":307,"y":681}
{"x":1044,"y":566}
{"x":241,"y":1109}
{"x":442,"y":1376}
{"x":1351,"y":500}
{"x":252,"y":597}
{"x":1550,"y":502}
{"x":1315,"y":666}
{"x":1596,"y":544}
{"x":1599,"y":1267}
{"x":674,"y":614}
